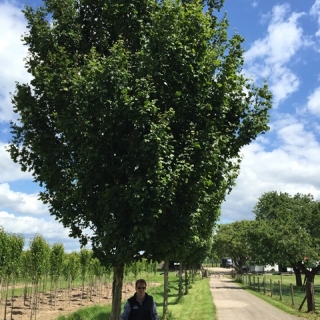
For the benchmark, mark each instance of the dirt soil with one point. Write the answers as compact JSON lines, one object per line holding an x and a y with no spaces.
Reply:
{"x":63,"y":305}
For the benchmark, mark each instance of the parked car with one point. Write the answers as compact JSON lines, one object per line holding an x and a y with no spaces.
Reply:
{"x":226,"y":263}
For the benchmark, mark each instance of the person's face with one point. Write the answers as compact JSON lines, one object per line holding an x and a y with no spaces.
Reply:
{"x":141,"y":289}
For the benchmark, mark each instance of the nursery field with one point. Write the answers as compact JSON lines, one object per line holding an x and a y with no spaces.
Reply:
{"x":25,"y":301}
{"x":94,"y":302}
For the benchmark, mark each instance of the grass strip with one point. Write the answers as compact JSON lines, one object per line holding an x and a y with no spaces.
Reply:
{"x":197,"y":304}
{"x":281,"y":305}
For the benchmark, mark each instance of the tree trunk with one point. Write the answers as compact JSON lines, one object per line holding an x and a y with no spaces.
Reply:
{"x":180,"y":280}
{"x":186,"y":281}
{"x":166,"y":289}
{"x":297,"y":274}
{"x":117,"y":292}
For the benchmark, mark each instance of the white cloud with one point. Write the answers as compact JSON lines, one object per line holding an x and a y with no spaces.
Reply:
{"x":284,"y":38}
{"x":12,"y":52}
{"x":313,"y":105}
{"x":270,"y":56}
{"x":10,"y":171}
{"x":20,"y":202}
{"x":28,"y":227}
{"x":31,"y":225}
{"x":315,"y":11}
{"x":283,"y":83}
{"x":292,"y":166}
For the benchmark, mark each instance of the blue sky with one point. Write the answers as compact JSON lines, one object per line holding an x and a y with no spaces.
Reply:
{"x":282,"y":44}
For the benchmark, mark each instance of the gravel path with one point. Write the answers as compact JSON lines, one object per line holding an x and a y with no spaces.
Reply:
{"x":234,"y":303}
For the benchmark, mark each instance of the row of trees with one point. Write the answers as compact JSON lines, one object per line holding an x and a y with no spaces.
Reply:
{"x":41,"y":261}
{"x":285,"y":232}
{"x":42,"y":268}
{"x":133,"y":123}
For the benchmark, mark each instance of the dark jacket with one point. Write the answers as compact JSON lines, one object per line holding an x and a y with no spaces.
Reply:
{"x":141,"y":311}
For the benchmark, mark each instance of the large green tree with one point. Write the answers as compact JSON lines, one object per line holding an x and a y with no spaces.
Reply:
{"x":287,"y":231}
{"x":133,"y":120}
{"x":232,"y":240}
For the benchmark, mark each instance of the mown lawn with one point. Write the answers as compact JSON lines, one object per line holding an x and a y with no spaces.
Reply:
{"x":196,"y":305}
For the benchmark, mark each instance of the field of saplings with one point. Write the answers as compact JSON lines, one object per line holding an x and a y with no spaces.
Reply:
{"x":44,"y":280}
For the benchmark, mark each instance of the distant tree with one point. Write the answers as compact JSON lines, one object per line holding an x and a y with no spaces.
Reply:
{"x":4,"y":252}
{"x":213,"y":256}
{"x":287,"y":231}
{"x":55,"y":268}
{"x":85,"y":257}
{"x":71,"y":268}
{"x":39,"y":261}
{"x":232,"y":240}
{"x":134,"y":120}
{"x":11,"y":246}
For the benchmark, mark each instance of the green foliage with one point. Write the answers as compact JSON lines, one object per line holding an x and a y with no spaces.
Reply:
{"x":136,"y":268}
{"x":3,"y":254}
{"x":232,"y":240}
{"x":39,"y":251}
{"x":16,"y":263}
{"x":71,"y":266}
{"x":26,"y":271}
{"x":85,"y":257}
{"x":134,"y":120}
{"x":286,"y":229}
{"x":56,"y":261}
{"x":96,"y":268}
{"x":137,"y":123}
{"x":11,"y":246}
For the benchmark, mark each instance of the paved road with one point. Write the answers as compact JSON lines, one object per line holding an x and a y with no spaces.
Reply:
{"x":234,"y":303}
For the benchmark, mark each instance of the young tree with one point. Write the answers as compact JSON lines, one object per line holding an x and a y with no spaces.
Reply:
{"x":39,"y":262}
{"x":55,"y":268}
{"x":134,"y":120}
{"x":71,"y":268}
{"x":4,"y":244}
{"x":11,"y":246}
{"x":85,"y":257}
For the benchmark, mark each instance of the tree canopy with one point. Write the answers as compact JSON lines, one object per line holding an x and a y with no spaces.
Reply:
{"x":232,"y":240}
{"x":286,"y":230}
{"x":134,"y":119}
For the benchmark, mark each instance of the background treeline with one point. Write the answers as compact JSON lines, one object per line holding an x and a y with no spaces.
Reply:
{"x":285,"y":232}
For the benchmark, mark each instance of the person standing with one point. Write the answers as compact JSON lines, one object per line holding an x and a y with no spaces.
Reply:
{"x":141,"y":306}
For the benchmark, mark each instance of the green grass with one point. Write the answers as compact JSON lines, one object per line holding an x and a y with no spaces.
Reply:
{"x":286,"y":303}
{"x":197,"y":304}
{"x":287,"y":307}
{"x":92,"y":313}
{"x":283,"y":282}
{"x":287,"y":279}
